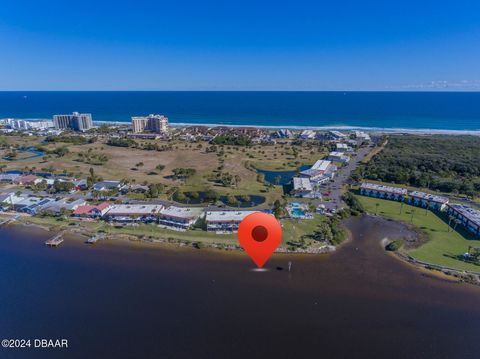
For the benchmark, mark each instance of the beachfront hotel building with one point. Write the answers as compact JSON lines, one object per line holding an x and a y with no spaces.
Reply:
{"x":469,"y":217}
{"x":384,"y":192}
{"x":179,"y":218}
{"x":427,"y":200}
{"x":152,"y":123}
{"x":225,"y":221}
{"x":75,"y":121}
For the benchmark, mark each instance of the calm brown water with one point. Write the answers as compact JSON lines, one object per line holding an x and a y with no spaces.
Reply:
{"x":127,"y":301}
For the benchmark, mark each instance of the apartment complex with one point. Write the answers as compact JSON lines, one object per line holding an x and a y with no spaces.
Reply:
{"x":427,"y":200}
{"x":381,"y":191}
{"x":152,"y":123}
{"x":225,"y":221}
{"x":75,"y":121}
{"x":469,"y":217}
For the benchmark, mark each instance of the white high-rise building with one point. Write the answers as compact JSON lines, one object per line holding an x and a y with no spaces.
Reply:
{"x":152,"y":123}
{"x":75,"y":121}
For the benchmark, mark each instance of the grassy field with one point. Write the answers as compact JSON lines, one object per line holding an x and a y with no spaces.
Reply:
{"x":442,"y":242}
{"x":140,"y":165}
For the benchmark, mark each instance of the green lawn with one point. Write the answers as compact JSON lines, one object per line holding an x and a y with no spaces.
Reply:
{"x":292,"y":229}
{"x":441,"y":241}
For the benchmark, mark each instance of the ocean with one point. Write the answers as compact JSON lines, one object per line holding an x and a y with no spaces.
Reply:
{"x":384,"y":110}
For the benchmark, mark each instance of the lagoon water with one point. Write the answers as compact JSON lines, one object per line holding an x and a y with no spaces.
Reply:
{"x":409,"y":110}
{"x":123,"y":300}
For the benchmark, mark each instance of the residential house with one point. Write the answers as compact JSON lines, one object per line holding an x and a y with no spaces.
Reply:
{"x":92,"y":211}
{"x":27,"y":180}
{"x":61,"y":205}
{"x":8,"y":177}
{"x":106,"y":185}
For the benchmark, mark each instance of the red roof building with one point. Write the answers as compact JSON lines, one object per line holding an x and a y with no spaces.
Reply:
{"x":92,"y":211}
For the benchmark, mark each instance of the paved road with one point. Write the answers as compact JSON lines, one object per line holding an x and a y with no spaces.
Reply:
{"x":341,"y":178}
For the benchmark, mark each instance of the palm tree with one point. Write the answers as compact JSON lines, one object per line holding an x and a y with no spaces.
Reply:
{"x":450,"y":218}
{"x":457,"y":222}
{"x":277,"y":179}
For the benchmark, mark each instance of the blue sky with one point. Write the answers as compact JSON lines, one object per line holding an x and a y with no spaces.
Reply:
{"x":239,"y":45}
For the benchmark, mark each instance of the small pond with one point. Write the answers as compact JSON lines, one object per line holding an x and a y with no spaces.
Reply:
{"x":35,"y":153}
{"x":285,"y":176}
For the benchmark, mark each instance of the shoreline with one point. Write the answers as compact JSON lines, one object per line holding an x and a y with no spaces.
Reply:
{"x":380,"y":130}
{"x":436,"y":271}
{"x":169,"y":241}
{"x":394,"y":130}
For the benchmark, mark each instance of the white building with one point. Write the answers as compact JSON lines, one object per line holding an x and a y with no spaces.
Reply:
{"x":106,"y":185}
{"x":64,"y":204}
{"x":343,"y":147}
{"x":75,"y":121}
{"x":321,"y":171}
{"x":302,"y":187}
{"x":469,"y":217}
{"x":8,"y":177}
{"x":225,"y":221}
{"x":179,"y":218}
{"x":307,"y":135}
{"x":362,"y":136}
{"x":338,"y":157}
{"x":152,"y":123}
{"x":337,"y":135}
{"x":381,"y":191}
{"x":133,"y":212}
{"x":427,"y":200}
{"x":24,"y":125}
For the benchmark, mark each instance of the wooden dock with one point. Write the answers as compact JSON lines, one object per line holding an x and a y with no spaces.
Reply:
{"x":9,"y":220}
{"x":55,"y":241}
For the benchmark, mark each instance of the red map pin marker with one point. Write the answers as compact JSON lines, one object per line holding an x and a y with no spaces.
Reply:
{"x":259,"y":235}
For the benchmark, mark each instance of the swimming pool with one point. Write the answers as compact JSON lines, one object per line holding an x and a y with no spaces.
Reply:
{"x":297,"y":212}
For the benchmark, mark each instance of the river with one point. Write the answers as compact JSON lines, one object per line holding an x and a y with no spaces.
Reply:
{"x":125,"y":300}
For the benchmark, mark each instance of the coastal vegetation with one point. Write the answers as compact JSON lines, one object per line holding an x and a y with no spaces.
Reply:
{"x":449,"y":164}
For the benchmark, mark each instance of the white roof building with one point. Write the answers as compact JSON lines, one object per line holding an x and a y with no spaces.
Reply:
{"x":180,"y":218}
{"x":381,"y":188}
{"x":227,"y":216}
{"x":428,"y":197}
{"x":338,"y":157}
{"x":321,"y":165}
{"x":362,"y":135}
{"x":134,"y":210}
{"x":302,"y":184}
